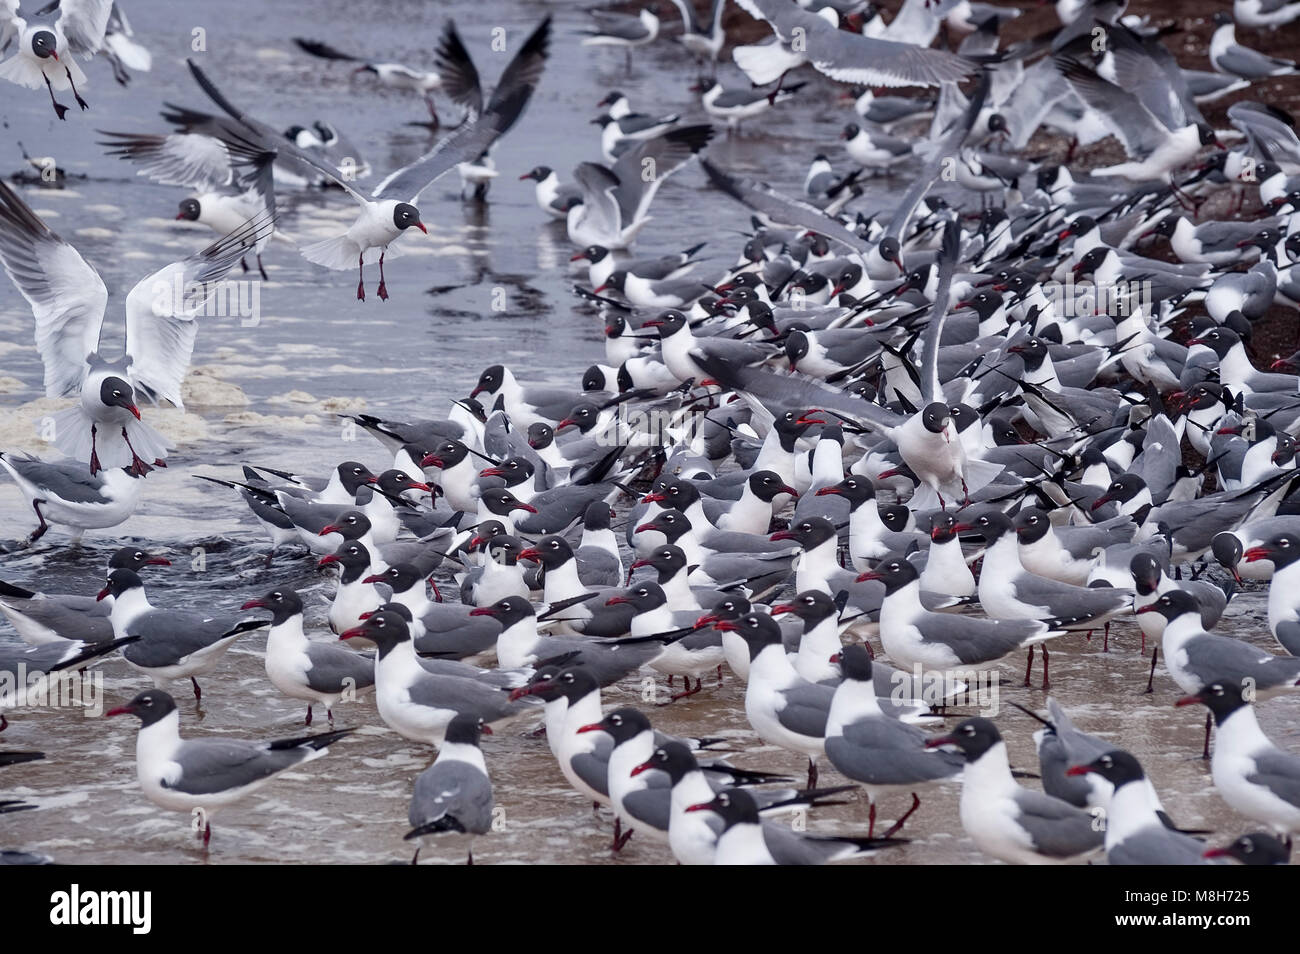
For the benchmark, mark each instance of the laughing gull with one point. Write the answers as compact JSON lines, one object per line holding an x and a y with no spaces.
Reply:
{"x":173,"y":643}
{"x":392,"y":75}
{"x":69,"y":300}
{"x":382,"y":218}
{"x":883,"y":753}
{"x":703,"y":38}
{"x":1251,"y":774}
{"x":747,"y":839}
{"x":616,"y":201}
{"x":1257,"y":848}
{"x":1229,"y":56}
{"x":27,"y":669}
{"x":1196,"y":658}
{"x":414,"y":702}
{"x":553,"y":197}
{"x":1008,"y":591}
{"x":914,"y":636}
{"x":48,"y":617}
{"x":454,"y":794}
{"x":460,"y":81}
{"x":1282,"y":550}
{"x":621,"y":29}
{"x":785,"y":709}
{"x":316,"y":672}
{"x":1136,"y":833}
{"x":1009,"y":822}
{"x":736,"y":105}
{"x":804,"y":37}
{"x":79,"y":31}
{"x":354,"y":596}
{"x":448,"y":630}
{"x":204,"y":775}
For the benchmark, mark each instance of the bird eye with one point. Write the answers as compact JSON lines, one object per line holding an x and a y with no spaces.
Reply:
{"x":616,"y":720}
{"x":968,"y":730}
{"x":568,"y":677}
{"x":1245,"y":846}
{"x":1107,"y":761}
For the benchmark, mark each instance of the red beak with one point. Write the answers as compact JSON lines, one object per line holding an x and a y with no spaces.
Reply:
{"x":643,"y":767}
{"x":523,"y":506}
{"x":1188,"y":701}
{"x":592,"y":727}
{"x":1100,"y":501}
{"x":1077,"y":770}
{"x":332,"y":528}
{"x":253,"y":604}
{"x":157,"y":561}
{"x":782,"y":535}
{"x":354,"y":631}
{"x":938,"y":741}
{"x":374,"y":578}
{"x":491,"y":472}
{"x":1217,"y":853}
{"x":653,"y":498}
{"x":101,"y":594}
{"x":702,"y":807}
{"x":482,"y":611}
{"x":789,"y":490}
{"x":1257,"y":553}
{"x":868,"y":575}
{"x":645,"y":526}
{"x":433,"y":460}
{"x":567,"y":422}
{"x":327,"y":560}
{"x":828,"y":491}
{"x":531,"y":554}
{"x":120,"y":710}
{"x":782,"y":608}
{"x":616,"y":600}
{"x":726,"y":626}
{"x":420,"y":226}
{"x":639,"y":563}
{"x":578,"y":257}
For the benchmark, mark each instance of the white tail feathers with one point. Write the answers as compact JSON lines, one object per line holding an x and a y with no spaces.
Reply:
{"x":338,"y":253}
{"x":72,"y":437}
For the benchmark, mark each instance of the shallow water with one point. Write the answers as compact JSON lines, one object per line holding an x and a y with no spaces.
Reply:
{"x":317,"y":351}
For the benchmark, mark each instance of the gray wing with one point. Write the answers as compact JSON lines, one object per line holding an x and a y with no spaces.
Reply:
{"x":1135,"y":125}
{"x":66,"y":295}
{"x":889,"y":752}
{"x":161,"y":308}
{"x":1065,"y":600}
{"x":268,"y":138}
{"x":464,"y":696}
{"x":665,"y":154}
{"x":950,"y":145}
{"x":1244,"y":61}
{"x":1157,"y":846}
{"x":1162,"y":91}
{"x":781,"y":209}
{"x":192,"y":160}
{"x":66,"y":621}
{"x":169,"y":636}
{"x":452,"y":789}
{"x":853,"y":58}
{"x":739,"y":97}
{"x":599,"y":206}
{"x":593,"y":767}
{"x":618,"y":24}
{"x":460,"y":79}
{"x":217,"y":765}
{"x":1280,"y":772}
{"x":806,"y":708}
{"x":946,"y":262}
{"x":71,"y":482}
{"x":1213,"y":657}
{"x":83,"y":24}
{"x":653,"y":806}
{"x":334,"y":669}
{"x":1057,"y":828}
{"x":464,"y":145}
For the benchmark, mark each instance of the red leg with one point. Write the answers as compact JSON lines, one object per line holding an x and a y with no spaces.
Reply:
{"x":1046,"y":682}
{"x":1209,"y":721}
{"x":308,"y":722}
{"x":361,"y":276}
{"x":39,"y":531}
{"x":898,"y":825}
{"x":1151,"y":678}
{"x":383,"y":289}
{"x":198,"y":693}
{"x":138,"y":467}
{"x":1029,"y":666}
{"x":812,"y":773}
{"x":871,"y":821}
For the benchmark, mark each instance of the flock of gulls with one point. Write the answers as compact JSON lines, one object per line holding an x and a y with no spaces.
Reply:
{"x":1015,"y":405}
